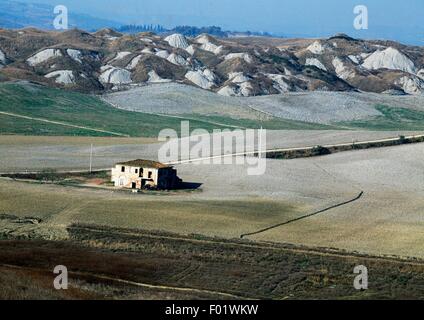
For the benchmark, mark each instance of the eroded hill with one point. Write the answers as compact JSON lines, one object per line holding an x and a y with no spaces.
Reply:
{"x":108,"y":60}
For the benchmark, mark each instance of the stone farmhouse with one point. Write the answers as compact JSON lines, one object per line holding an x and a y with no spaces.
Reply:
{"x":145,"y":174}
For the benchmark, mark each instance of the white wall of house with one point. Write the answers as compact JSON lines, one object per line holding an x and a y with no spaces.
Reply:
{"x":125,"y":176}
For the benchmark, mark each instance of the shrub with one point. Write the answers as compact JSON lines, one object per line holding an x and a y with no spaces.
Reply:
{"x":49,"y":175}
{"x":320,"y":151}
{"x":403,"y":140}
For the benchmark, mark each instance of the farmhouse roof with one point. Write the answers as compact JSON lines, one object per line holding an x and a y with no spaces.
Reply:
{"x":144,"y":164}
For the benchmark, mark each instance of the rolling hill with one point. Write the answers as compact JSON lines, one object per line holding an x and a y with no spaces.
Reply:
{"x":31,"y":109}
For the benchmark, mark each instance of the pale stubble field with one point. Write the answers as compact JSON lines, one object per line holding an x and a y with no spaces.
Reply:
{"x":387,"y":220}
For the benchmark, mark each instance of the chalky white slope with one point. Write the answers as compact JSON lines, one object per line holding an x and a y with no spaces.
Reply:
{"x":177,"y":41}
{"x":389,"y":58}
{"x":43,"y":56}
{"x":113,"y":75}
{"x":62,"y":76}
{"x":2,"y":59}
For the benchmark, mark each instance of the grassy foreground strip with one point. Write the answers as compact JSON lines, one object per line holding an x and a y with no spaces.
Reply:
{"x":153,"y":264}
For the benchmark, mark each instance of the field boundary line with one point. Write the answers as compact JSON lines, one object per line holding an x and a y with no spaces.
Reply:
{"x":62,"y":124}
{"x":303,"y":217}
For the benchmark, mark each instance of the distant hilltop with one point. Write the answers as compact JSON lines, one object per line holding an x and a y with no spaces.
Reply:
{"x":237,"y":66}
{"x":190,"y":31}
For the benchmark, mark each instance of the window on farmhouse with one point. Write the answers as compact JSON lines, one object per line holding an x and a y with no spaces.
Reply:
{"x":150,"y":174}
{"x":123,"y":169}
{"x":136,"y":170}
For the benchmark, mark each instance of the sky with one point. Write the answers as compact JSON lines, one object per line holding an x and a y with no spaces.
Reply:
{"x":388,"y":19}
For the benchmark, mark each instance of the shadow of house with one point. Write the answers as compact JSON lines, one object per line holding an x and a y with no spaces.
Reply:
{"x":189,"y":186}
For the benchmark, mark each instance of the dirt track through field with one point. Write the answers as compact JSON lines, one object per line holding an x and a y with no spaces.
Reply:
{"x":136,"y":284}
{"x":303,"y":217}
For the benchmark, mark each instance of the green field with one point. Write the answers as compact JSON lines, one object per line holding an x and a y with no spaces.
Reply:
{"x":392,"y":119}
{"x":12,"y":125}
{"x":71,"y":108}
{"x":75,"y":109}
